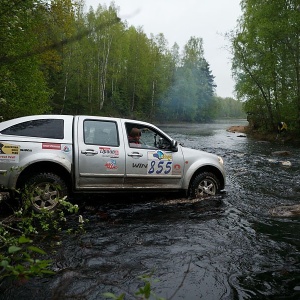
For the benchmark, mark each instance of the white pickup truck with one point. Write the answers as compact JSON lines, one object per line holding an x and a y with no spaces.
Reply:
{"x":52,"y":156}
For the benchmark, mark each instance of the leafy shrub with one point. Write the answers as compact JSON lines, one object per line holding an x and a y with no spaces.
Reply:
{"x":19,"y":257}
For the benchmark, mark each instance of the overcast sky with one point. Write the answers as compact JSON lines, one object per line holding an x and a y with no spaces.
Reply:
{"x":178,"y":20}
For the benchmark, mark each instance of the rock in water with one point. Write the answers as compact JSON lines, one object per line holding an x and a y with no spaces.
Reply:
{"x":286,"y":163}
{"x":281,"y":153}
{"x":286,"y":211}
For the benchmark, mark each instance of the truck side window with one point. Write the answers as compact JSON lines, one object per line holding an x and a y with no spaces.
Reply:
{"x":148,"y":138}
{"x":104,"y":133}
{"x":44,"y":128}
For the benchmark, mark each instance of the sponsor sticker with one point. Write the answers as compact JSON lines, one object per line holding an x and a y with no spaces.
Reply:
{"x":159,"y":163}
{"x":176,"y":169}
{"x":51,"y":146}
{"x":66,"y":149}
{"x":159,"y":155}
{"x":111,"y":165}
{"x":139,"y":165}
{"x":26,"y":150}
{"x":109,"y":152}
{"x":9,"y":152}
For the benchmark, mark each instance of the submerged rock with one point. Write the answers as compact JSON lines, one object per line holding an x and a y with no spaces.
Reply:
{"x":286,"y":163}
{"x":286,"y":211}
{"x":281,"y":153}
{"x":240,"y":129}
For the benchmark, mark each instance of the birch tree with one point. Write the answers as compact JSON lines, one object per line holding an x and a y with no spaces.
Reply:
{"x":266,"y":61}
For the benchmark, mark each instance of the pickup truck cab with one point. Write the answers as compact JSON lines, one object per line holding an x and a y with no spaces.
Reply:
{"x":52,"y":156}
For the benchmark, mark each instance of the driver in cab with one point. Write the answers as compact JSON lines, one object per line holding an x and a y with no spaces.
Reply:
{"x":134,"y":137}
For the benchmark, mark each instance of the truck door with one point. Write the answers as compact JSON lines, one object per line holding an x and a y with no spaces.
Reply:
{"x":149,"y":161}
{"x":99,"y":160}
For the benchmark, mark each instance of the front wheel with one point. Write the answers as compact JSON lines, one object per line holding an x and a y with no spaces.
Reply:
{"x":44,"y":191}
{"x":204,"y":185}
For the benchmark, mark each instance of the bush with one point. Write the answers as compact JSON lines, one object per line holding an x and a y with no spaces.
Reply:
{"x":19,"y":257}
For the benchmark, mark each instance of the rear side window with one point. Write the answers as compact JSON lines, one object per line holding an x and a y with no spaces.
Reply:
{"x":103,"y":133}
{"x":43,"y":128}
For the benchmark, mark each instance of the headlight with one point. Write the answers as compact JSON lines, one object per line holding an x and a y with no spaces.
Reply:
{"x":220,"y":160}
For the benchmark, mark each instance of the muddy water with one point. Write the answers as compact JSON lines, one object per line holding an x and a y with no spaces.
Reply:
{"x":226,"y":248}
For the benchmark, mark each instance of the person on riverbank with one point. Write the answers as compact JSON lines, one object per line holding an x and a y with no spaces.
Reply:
{"x":281,"y":127}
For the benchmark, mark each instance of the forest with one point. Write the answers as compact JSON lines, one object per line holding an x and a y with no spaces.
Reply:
{"x":266,"y":62}
{"x":57,"y":58}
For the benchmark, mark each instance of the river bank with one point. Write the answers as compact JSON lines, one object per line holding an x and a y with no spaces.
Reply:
{"x":266,"y":136}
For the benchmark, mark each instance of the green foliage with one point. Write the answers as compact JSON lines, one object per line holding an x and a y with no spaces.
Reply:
{"x":19,"y":258}
{"x":22,"y":83}
{"x":266,"y":62}
{"x":21,"y":262}
{"x":113,"y":296}
{"x":229,"y":108}
{"x":51,"y":221}
{"x":144,"y":292}
{"x":57,"y":59}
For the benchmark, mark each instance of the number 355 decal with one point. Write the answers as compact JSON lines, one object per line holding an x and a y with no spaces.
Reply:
{"x":159,"y":167}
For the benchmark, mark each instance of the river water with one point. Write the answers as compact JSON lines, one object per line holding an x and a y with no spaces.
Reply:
{"x":229,"y":247}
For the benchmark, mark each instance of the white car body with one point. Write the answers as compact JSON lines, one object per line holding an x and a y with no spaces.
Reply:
{"x":92,"y":154}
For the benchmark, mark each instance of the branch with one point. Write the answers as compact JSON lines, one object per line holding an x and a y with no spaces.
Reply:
{"x":11,"y":228}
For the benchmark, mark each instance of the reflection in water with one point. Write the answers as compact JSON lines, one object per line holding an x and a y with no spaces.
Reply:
{"x":226,"y":248}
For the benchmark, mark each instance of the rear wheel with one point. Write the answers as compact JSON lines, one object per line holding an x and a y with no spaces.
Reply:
{"x":43,"y":191}
{"x":204,"y":185}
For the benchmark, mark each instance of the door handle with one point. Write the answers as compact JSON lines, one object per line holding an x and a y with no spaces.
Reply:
{"x":89,"y":152}
{"x":135,"y":154}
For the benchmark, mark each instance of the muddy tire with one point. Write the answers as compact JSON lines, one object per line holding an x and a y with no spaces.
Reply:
{"x":43,"y":191}
{"x":204,"y":185}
